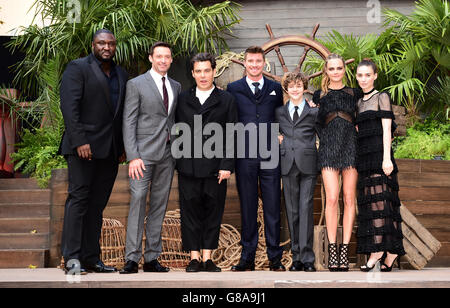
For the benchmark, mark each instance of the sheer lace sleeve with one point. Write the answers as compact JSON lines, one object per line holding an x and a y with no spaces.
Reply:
{"x":384,"y":106}
{"x":384,"y":102}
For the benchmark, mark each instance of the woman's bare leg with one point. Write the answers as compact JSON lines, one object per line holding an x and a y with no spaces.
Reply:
{"x":330,"y":179}
{"x":349,"y":180}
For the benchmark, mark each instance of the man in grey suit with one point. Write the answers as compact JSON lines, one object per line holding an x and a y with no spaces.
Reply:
{"x":148,"y":117}
{"x":298,"y":168}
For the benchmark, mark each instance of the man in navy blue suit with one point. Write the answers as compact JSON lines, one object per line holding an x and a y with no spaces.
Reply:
{"x":257,"y":98}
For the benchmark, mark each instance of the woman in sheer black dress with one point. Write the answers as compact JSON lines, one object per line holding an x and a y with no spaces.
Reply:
{"x":337,"y":154}
{"x":379,"y":221}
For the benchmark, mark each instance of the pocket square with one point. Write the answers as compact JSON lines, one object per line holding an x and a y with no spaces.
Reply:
{"x":273,"y":93}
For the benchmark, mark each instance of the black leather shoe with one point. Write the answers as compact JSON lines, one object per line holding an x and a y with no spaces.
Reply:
{"x":154,"y":266}
{"x":244,"y":266}
{"x":100,"y":267}
{"x":309,"y":267}
{"x":194,"y":266}
{"x":75,"y":269}
{"x":209,"y":266}
{"x":297,"y":266}
{"x":277,"y":266}
{"x":130,"y":267}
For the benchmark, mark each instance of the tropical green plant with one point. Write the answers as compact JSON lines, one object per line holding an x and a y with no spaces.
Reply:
{"x":421,"y":54}
{"x":37,"y":152}
{"x":412,"y":53}
{"x":37,"y":155}
{"x":348,"y":46}
{"x":440,"y":96}
{"x":425,"y":141}
{"x":137,"y":24}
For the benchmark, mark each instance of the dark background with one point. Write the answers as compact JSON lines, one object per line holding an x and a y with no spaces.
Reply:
{"x":7,"y":60}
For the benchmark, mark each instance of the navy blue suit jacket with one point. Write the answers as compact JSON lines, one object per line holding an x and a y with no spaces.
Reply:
{"x":256,"y":108}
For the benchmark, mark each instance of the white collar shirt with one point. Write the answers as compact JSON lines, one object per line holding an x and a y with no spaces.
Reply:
{"x":158,"y":80}
{"x":252,"y":87}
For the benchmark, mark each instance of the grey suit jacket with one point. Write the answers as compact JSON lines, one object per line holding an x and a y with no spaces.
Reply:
{"x":146,"y":123}
{"x":299,"y":143}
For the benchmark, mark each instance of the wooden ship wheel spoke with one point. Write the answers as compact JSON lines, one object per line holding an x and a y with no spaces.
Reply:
{"x":307,"y":43}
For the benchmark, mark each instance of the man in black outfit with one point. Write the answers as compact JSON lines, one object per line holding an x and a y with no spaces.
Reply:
{"x":92,"y":94}
{"x":202,"y":179}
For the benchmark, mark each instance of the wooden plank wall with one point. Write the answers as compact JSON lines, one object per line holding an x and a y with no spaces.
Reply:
{"x":288,"y":17}
{"x":424,"y":190}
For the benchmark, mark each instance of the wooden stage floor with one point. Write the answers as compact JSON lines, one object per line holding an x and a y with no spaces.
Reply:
{"x":55,"y":278}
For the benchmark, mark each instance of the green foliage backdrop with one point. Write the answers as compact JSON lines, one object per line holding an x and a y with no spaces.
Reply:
{"x":137,"y":24}
{"x":412,"y":53}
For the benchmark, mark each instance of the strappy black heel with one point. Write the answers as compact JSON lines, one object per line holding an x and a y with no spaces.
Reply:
{"x":333,"y":261}
{"x":389,"y":268}
{"x":343,"y":258}
{"x":367,"y":268}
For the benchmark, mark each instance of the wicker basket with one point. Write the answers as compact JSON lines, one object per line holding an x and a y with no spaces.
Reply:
{"x":172,"y":254}
{"x":112,"y":243}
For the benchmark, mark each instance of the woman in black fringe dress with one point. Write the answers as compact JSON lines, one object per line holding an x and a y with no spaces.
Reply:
{"x":337,"y":154}
{"x":379,"y":221}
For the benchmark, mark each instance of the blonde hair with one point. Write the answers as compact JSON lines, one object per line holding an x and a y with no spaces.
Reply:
{"x":325,"y":79}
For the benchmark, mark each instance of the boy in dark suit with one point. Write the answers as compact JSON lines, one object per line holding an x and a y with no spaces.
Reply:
{"x":298,"y":156}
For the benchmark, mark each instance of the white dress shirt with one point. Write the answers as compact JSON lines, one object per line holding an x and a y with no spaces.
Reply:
{"x":252,"y":87}
{"x":158,"y":80}
{"x":291,"y":107}
{"x":203,"y":95}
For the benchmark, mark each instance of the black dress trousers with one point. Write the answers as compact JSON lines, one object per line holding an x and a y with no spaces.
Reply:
{"x":90,"y":186}
{"x":202,"y":203}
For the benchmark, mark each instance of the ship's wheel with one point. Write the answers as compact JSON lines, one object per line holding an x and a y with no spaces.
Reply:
{"x":307,"y":43}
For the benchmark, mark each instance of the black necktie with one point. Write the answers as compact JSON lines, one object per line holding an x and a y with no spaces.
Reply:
{"x":256,"y":84}
{"x":165,"y":95}
{"x":295,"y":118}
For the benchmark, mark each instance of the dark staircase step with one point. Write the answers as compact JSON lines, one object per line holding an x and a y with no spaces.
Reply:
{"x":21,"y":183}
{"x":24,"y":196}
{"x":25,"y":225}
{"x":24,"y":241}
{"x":25,"y":210}
{"x":23,"y":258}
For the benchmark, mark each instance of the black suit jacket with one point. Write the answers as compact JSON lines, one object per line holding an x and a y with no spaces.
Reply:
{"x":87,"y":109}
{"x":218,"y":108}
